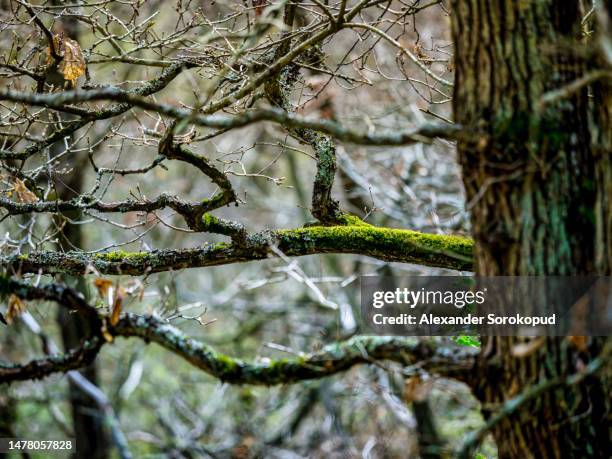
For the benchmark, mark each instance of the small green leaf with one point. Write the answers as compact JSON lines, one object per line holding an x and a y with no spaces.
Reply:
{"x":465,"y":340}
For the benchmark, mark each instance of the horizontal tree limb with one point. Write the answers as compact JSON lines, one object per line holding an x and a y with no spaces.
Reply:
{"x":331,"y":359}
{"x":61,"y":100}
{"x":147,"y":88}
{"x":398,"y":245}
{"x":92,"y":203}
{"x":67,"y":297}
{"x":58,"y":363}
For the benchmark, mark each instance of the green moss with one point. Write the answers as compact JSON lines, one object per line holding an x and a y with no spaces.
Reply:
{"x":209,"y":220}
{"x":120,"y":255}
{"x":366,"y":234}
{"x":284,"y":367}
{"x":351,"y":220}
{"x":216,"y":201}
{"x":221,"y":246}
{"x":454,"y":252}
{"x":225,"y":365}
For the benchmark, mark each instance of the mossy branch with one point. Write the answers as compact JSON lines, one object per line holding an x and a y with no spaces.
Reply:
{"x":331,"y":359}
{"x":388,"y":244}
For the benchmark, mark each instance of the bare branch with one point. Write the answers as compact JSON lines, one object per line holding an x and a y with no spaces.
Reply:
{"x":59,"y":101}
{"x":43,"y":367}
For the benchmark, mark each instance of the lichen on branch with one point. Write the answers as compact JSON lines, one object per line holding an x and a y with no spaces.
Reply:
{"x":388,"y":244}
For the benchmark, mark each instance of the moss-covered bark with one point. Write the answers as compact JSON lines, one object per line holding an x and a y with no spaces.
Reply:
{"x":331,"y":359}
{"x":389,"y":244}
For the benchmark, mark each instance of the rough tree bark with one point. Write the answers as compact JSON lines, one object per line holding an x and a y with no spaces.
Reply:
{"x":536,"y":187}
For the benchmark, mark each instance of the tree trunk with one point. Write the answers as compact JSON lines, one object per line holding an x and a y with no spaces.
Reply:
{"x":87,"y":419}
{"x":536,"y":188}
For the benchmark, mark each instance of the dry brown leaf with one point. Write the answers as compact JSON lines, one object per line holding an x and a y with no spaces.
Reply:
{"x":16,"y":307}
{"x":22,"y":191}
{"x":117,"y":306}
{"x":72,"y":64}
{"x":103,"y":286}
{"x":579,"y":342}
{"x":105,"y":333}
